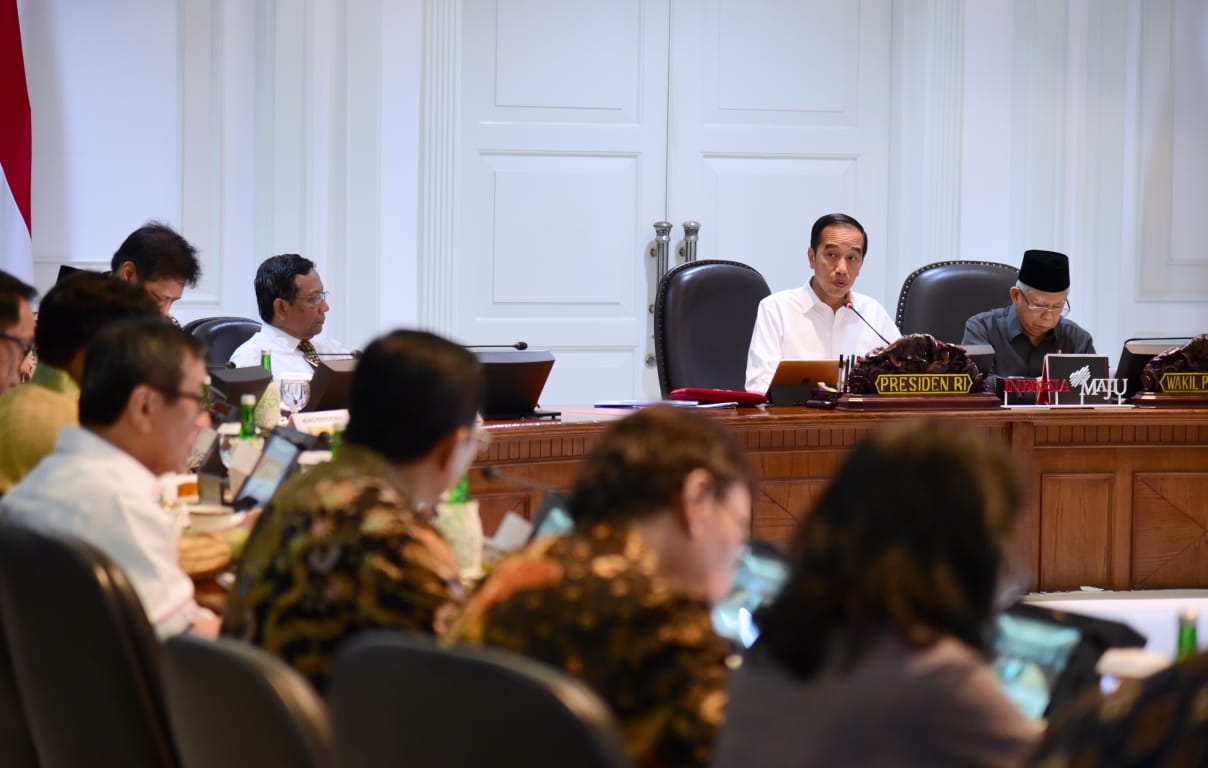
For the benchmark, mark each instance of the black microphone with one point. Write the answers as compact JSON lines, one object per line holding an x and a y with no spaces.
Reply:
{"x":495,"y":473}
{"x":874,"y":330}
{"x":520,"y":345}
{"x":353,"y":354}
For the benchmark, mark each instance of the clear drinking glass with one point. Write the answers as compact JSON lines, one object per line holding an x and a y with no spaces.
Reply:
{"x":295,"y":394}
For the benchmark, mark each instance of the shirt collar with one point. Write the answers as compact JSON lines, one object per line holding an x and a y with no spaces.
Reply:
{"x":56,"y":380}
{"x":82,"y":441}
{"x":281,"y":337}
{"x":369,"y":462}
{"x":810,"y":299}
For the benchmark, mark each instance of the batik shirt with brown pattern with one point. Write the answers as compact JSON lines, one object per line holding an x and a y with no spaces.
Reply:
{"x":340,"y":549}
{"x":593,"y":604}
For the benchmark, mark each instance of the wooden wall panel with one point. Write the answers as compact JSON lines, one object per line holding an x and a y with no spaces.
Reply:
{"x":1170,"y":530}
{"x":781,"y":506}
{"x":1075,"y":531}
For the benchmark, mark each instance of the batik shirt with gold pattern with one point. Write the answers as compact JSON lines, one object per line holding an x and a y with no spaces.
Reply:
{"x":340,"y":549}
{"x":593,"y":604}
{"x":1160,"y":721}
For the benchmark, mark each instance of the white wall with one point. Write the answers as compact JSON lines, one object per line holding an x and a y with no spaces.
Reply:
{"x":261,"y":127}
{"x":255,"y":128}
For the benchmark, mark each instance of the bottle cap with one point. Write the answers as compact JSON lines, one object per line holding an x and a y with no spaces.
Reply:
{"x":247,"y":399}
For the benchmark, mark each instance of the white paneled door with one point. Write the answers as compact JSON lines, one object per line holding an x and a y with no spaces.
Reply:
{"x":582,"y":123}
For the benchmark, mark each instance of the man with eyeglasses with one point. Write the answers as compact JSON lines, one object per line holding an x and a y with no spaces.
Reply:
{"x":160,"y":261}
{"x":16,"y":328}
{"x":1035,"y":324}
{"x":70,"y":315}
{"x":141,"y":407}
{"x":293,"y":305}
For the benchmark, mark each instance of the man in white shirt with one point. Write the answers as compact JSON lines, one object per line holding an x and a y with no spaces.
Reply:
{"x":141,"y":407}
{"x":820,"y":320}
{"x":293,"y":305}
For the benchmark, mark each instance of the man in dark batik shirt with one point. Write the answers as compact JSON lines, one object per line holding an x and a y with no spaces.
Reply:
{"x":1157,"y":722}
{"x":1035,"y":323}
{"x":661,"y":510}
{"x":349,"y":545}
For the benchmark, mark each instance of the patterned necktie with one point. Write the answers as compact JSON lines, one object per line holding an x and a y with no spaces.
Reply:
{"x":308,"y":351}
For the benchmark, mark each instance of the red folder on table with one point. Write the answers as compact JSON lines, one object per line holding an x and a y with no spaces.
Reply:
{"x":704,"y":395}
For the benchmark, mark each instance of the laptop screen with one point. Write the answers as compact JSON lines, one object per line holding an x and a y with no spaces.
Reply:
{"x":278,"y":460}
{"x":514,"y":381}
{"x":1030,"y":656}
{"x":552,"y":518}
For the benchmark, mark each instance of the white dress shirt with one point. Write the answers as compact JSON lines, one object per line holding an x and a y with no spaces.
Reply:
{"x":288,"y":362}
{"x":92,"y":490}
{"x":797,"y":325}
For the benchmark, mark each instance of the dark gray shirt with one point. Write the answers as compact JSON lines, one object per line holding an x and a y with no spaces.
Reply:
{"x":899,"y":706}
{"x":1014,"y":354}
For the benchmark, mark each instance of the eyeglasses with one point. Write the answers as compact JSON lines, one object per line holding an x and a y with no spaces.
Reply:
{"x":26,"y":345}
{"x":1062,"y":310}
{"x":315,"y":299}
{"x":202,"y":401}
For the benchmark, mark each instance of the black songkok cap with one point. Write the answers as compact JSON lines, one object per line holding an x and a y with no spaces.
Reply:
{"x":1046,"y":271}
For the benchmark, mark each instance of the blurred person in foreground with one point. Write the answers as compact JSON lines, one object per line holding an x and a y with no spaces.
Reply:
{"x":70,"y":315}
{"x":142,"y":403}
{"x":1156,"y":722}
{"x":876,"y":651}
{"x":161,"y":262}
{"x":661,"y":508}
{"x":16,"y":330}
{"x":349,"y":545}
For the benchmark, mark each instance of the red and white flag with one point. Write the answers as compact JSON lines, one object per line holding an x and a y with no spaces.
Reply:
{"x":16,"y":247}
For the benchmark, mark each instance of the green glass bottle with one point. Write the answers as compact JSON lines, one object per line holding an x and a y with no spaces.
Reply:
{"x":1188,"y":640}
{"x":247,"y":417}
{"x":460,"y":493}
{"x":266,"y":360}
{"x":337,"y":442}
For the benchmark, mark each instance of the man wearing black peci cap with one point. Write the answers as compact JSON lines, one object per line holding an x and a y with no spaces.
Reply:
{"x":1035,"y":324}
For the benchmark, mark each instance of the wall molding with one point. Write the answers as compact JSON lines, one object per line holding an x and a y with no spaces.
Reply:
{"x":439,"y":168}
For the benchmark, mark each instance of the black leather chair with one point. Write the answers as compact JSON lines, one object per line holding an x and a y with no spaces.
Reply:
{"x":85,"y":658}
{"x":222,"y":336}
{"x":704,"y":312}
{"x":16,"y":743}
{"x":939,"y":298}
{"x":190,"y":326}
{"x":234,"y":705}
{"x":399,"y":699}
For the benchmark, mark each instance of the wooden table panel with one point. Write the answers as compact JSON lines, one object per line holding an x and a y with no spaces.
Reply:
{"x":1170,"y":528}
{"x":1076,"y":516}
{"x":1086,"y":520}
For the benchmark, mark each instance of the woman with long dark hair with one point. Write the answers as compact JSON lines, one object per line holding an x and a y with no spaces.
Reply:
{"x":875,"y":651}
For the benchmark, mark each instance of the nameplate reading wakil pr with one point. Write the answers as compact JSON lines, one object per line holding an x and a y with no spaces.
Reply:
{"x":923,"y":383}
{"x":1185,"y":382}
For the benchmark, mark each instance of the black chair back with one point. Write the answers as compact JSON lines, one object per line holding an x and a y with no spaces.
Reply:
{"x":399,"y":699}
{"x":234,"y":705}
{"x":704,"y":313}
{"x":939,"y":298}
{"x":85,"y":658}
{"x":222,"y":336}
{"x":16,"y":743}
{"x":190,"y":326}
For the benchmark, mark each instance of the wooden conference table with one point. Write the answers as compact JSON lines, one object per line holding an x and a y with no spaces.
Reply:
{"x":1118,"y":497}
